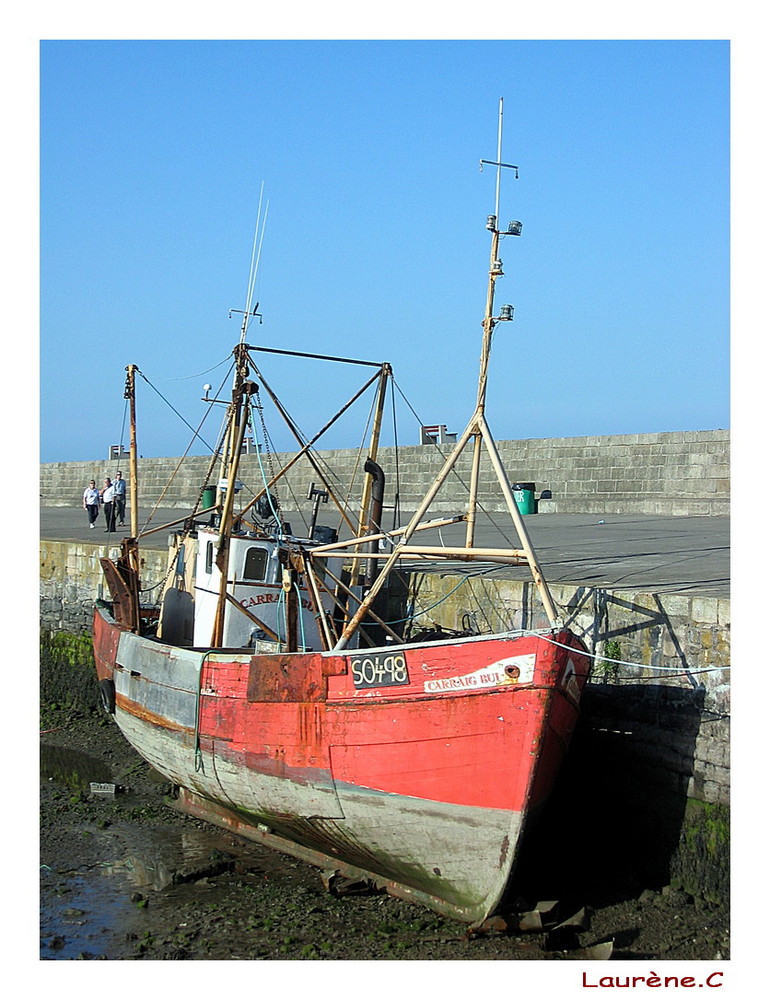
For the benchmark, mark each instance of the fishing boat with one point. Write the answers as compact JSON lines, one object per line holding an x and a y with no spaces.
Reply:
{"x":273,"y":688}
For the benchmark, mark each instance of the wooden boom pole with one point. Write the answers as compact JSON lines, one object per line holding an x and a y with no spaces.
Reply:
{"x":133,"y":477}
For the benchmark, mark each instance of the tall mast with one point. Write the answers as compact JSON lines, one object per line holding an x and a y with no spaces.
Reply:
{"x":488,"y":325}
{"x":238,"y":411}
{"x":238,"y":420}
{"x":133,"y":478}
{"x":123,"y":575}
{"x":478,"y":432}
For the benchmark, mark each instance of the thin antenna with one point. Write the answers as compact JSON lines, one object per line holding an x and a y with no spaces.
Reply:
{"x":256,"y":253}
{"x":499,"y":162}
{"x":252,"y":267}
{"x":261,"y":241}
{"x":499,"y":159}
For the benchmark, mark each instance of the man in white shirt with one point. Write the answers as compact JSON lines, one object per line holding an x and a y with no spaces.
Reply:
{"x":108,"y":499}
{"x":91,"y":502}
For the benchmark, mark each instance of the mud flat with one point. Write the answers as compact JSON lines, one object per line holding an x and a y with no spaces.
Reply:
{"x":125,"y":876}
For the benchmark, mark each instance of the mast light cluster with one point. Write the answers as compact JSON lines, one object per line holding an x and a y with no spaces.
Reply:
{"x":514,"y":226}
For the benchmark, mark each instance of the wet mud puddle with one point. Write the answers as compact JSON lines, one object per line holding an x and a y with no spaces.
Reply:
{"x":128,"y":878}
{"x":96,"y":875}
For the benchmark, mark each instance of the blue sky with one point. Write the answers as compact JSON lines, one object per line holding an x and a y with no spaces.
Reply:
{"x":153,"y":155}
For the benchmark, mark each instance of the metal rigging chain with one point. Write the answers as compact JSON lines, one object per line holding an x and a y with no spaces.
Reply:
{"x":268,"y":454}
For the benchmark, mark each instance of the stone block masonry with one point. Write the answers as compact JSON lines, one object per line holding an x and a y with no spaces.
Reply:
{"x":72,"y":579}
{"x":668,"y":474}
{"x":677,"y":473}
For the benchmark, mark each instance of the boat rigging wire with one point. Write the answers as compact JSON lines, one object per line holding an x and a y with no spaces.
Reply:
{"x":592,"y":656}
{"x":214,"y":453}
{"x":173,"y":408}
{"x":629,"y":663}
{"x":301,"y":617}
{"x":265,"y":482}
{"x":315,"y":357}
{"x":596,"y":657}
{"x":270,"y":450}
{"x":356,"y":465}
{"x":315,"y":458}
{"x":186,"y":378}
{"x":122,"y":430}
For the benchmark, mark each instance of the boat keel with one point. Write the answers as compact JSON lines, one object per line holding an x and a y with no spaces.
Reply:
{"x":195,"y":805}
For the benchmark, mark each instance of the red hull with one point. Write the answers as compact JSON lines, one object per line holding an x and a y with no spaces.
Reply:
{"x":424,"y":783}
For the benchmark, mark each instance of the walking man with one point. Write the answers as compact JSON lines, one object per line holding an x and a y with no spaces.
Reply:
{"x":108,"y":499}
{"x":91,"y":502}
{"x":120,"y":498}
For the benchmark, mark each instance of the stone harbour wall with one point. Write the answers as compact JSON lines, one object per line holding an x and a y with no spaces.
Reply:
{"x":71,"y":580}
{"x":677,"y":473}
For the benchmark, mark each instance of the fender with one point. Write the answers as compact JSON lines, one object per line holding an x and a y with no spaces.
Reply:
{"x":107,"y":696}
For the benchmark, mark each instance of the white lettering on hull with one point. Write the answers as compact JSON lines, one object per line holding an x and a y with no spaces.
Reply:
{"x":511,"y":670}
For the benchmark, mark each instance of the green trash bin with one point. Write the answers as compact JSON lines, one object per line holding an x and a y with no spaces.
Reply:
{"x":208,"y":499}
{"x":524,"y":495}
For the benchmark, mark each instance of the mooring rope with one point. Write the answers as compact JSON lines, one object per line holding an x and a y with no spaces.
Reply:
{"x":629,"y":663}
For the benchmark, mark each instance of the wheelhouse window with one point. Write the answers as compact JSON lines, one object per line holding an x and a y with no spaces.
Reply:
{"x":255,"y":564}
{"x":209,"y":556}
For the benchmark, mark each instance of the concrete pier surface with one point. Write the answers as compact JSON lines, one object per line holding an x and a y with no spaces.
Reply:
{"x":687,"y":555}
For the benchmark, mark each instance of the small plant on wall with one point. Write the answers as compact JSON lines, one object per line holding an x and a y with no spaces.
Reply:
{"x":608,"y":668}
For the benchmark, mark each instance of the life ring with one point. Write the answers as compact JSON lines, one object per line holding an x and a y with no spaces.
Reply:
{"x":107,"y":696}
